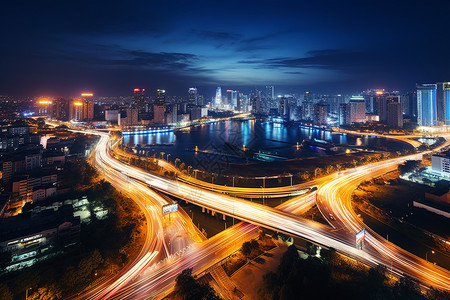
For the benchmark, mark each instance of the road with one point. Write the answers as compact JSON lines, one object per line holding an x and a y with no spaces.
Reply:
{"x":335,"y":205}
{"x":155,"y":247}
{"x":342,"y":241}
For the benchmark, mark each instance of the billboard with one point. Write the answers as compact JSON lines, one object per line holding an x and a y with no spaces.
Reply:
{"x":360,"y":236}
{"x":169,"y":208}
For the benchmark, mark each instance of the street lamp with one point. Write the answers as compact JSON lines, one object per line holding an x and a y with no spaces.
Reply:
{"x":189,"y":167}
{"x":291,"y":178}
{"x":263,"y":193}
{"x":168,"y":154}
{"x":26,"y":293}
{"x":426,"y":254}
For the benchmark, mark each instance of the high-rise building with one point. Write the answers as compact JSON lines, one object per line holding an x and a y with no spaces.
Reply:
{"x":158,"y":114}
{"x":160,"y":97}
{"x":81,"y":110}
{"x":443,"y":103}
{"x":426,"y":104}
{"x":283,"y":106}
{"x":233,"y":99}
{"x":307,"y":110}
{"x":344,"y":114}
{"x":60,"y":109}
{"x":321,"y":113}
{"x":243,"y":103}
{"x":394,"y":114}
{"x":171,"y":114}
{"x":193,"y":97}
{"x":218,"y":99}
{"x":139,"y":100}
{"x":357,"y":109}
{"x":270,"y":92}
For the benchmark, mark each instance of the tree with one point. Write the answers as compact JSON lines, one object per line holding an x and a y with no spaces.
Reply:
{"x":187,"y":288}
{"x":249,"y":247}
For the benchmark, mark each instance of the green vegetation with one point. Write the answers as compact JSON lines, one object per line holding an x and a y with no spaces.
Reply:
{"x":105,"y":245}
{"x":188,"y":288}
{"x":336,"y":277}
{"x":249,"y":250}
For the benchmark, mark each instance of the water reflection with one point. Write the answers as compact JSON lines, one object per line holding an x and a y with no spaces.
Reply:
{"x":211,"y":139}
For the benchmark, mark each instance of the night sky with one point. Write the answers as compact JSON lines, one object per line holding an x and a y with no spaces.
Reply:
{"x":109,"y":47}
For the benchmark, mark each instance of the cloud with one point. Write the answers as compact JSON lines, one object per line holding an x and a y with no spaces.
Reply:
{"x":218,"y":35}
{"x":332,"y":59}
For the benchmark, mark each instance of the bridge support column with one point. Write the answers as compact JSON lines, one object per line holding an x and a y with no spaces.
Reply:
{"x":213,"y":213}
{"x":224,"y":217}
{"x":203,"y":209}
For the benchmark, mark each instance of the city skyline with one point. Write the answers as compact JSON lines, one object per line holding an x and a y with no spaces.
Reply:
{"x":326,"y":48}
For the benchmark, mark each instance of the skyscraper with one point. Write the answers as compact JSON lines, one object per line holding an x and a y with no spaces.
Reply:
{"x":139,"y":100}
{"x":443,"y":103}
{"x":218,"y":99}
{"x":160,"y":97}
{"x":232,"y":99}
{"x":321,"y":113}
{"x":344,"y":114}
{"x":270,"y":92}
{"x":426,"y":104}
{"x":193,"y":97}
{"x":394,"y":114}
{"x":357,"y":109}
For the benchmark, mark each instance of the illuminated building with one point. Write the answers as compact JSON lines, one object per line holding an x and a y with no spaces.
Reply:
{"x":426,"y":105}
{"x":81,"y":110}
{"x":160,"y":97}
{"x":357,"y":109}
{"x":443,"y":103}
{"x":193,"y":97}
{"x":395,"y":115}
{"x":344,"y":114}
{"x":307,"y":109}
{"x":60,"y":109}
{"x":158,"y":114}
{"x":321,"y":113}
{"x":129,"y":117}
{"x":112,"y":116}
{"x":171,"y":114}
{"x":139,"y":100}
{"x":441,"y":164}
{"x":270,"y":92}
{"x":218,"y":99}
{"x":232,"y":99}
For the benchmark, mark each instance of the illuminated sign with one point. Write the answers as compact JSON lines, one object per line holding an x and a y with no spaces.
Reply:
{"x":45,"y":102}
{"x":379,"y":93}
{"x":136,"y":90}
{"x":360,"y":236}
{"x":78,"y":103}
{"x":87,"y":95}
{"x":169,"y":208}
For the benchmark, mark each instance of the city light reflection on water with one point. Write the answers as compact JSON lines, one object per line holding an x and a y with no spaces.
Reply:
{"x":211,"y":138}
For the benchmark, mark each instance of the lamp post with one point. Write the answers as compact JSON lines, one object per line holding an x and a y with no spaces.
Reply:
{"x":168,"y":154}
{"x":426,"y":254}
{"x":263,"y":194}
{"x":26,"y":293}
{"x":291,"y":178}
{"x":189,"y":167}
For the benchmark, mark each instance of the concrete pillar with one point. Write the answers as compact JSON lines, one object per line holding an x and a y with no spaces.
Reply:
{"x":203,"y":209}
{"x":224,"y":217}
{"x":213,"y":213}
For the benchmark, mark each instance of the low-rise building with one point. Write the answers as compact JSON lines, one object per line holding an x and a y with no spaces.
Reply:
{"x":440,"y":164}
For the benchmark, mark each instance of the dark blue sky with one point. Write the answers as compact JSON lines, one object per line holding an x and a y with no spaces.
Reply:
{"x":109,"y":47}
